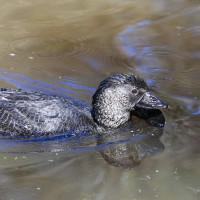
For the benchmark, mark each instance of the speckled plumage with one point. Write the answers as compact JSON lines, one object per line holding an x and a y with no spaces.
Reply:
{"x":114,"y":100}
{"x":29,"y":113}
{"x":33,"y":114}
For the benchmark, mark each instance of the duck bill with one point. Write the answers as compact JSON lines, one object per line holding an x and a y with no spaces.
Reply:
{"x":150,"y":101}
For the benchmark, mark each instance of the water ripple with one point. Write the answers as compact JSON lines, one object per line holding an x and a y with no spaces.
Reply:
{"x":46,"y":46}
{"x":24,"y":82}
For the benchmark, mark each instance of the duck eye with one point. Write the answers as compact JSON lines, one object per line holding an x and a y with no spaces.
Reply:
{"x":134,"y":91}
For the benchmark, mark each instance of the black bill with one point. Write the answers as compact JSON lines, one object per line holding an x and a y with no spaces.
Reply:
{"x":150,"y":101}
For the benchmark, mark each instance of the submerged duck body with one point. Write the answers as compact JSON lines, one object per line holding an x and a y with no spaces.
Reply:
{"x":24,"y":113}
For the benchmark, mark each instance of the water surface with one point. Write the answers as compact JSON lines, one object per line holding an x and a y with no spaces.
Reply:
{"x":67,"y":47}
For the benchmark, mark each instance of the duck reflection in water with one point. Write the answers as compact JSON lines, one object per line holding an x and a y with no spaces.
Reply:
{"x":127,"y":148}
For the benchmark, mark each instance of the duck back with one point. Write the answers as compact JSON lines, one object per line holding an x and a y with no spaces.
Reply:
{"x":25,"y":113}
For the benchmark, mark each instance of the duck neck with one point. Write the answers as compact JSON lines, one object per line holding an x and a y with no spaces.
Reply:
{"x":109,"y":114}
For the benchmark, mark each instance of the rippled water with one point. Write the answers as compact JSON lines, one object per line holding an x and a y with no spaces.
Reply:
{"x":66,"y":48}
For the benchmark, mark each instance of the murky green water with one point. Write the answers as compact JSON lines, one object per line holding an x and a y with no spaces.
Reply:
{"x":67,"y":47}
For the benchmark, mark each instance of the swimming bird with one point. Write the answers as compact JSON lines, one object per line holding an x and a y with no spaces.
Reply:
{"x":26,"y":114}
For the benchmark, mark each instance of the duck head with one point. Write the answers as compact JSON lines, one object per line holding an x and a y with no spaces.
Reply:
{"x":118,"y":95}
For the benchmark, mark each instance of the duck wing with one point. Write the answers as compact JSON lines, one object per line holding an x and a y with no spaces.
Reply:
{"x":25,"y":113}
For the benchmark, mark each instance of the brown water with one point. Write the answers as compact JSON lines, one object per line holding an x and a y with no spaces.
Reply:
{"x":68,"y":47}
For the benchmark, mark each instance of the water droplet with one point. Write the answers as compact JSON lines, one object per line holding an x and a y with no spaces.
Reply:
{"x":148,"y":177}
